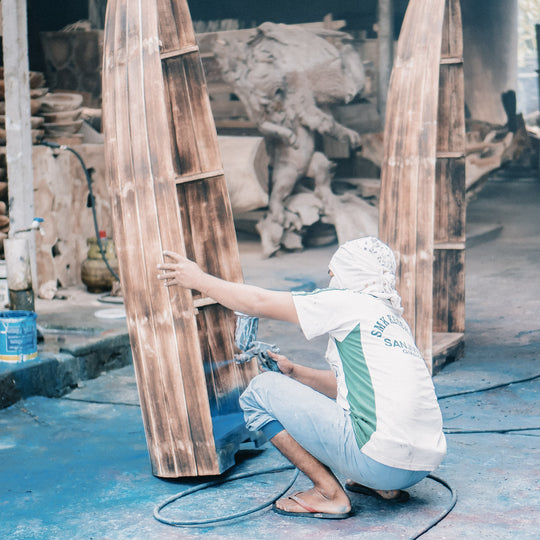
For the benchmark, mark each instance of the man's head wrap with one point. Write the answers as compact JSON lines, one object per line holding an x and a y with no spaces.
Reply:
{"x":366,"y":265}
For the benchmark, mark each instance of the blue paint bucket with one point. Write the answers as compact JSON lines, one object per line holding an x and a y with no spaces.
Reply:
{"x":18,"y":336}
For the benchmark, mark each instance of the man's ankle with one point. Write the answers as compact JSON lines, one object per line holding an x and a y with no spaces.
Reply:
{"x":331,"y":493}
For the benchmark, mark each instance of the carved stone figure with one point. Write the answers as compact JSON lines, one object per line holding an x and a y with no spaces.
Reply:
{"x":287,"y":77}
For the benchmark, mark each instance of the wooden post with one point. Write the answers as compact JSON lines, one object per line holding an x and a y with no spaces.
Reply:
{"x":385,"y":45}
{"x":18,"y":130}
{"x":537,"y":27}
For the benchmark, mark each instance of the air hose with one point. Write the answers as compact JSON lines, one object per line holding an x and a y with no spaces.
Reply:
{"x":200,"y":487}
{"x":211,"y":521}
{"x":429,"y":526}
{"x":444,"y":513}
{"x":56,"y":146}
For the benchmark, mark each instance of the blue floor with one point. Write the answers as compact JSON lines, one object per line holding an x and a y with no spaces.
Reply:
{"x":77,"y":466}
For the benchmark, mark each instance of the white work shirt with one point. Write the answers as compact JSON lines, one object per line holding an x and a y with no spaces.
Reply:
{"x":382,"y":378}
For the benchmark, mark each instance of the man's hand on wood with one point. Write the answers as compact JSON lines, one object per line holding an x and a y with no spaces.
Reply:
{"x":182,"y":271}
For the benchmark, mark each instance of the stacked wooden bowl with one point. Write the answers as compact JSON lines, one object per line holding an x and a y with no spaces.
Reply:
{"x":62,"y":114}
{"x":37,"y":91}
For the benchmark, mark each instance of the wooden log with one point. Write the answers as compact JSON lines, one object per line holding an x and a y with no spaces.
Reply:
{"x":61,"y":197}
{"x":206,"y":40}
{"x":520,"y":150}
{"x":479,"y":164}
{"x":169,"y":192}
{"x":245,"y":163}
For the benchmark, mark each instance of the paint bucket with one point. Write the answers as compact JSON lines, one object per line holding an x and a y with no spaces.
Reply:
{"x":246,"y":330}
{"x":18,"y":336}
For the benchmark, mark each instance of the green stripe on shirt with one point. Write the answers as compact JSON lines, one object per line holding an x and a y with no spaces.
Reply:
{"x":360,"y":393}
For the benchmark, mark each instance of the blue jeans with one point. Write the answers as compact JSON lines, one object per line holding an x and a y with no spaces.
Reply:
{"x":273,"y":402}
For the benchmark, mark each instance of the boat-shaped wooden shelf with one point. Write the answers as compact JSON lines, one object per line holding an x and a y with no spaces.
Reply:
{"x":168,"y":192}
{"x":422,"y":204}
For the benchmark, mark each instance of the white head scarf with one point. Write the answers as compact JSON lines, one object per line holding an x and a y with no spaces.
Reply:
{"x":366,"y":265}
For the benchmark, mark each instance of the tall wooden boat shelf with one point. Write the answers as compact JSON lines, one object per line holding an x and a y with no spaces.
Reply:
{"x":422,"y":206}
{"x":168,"y":192}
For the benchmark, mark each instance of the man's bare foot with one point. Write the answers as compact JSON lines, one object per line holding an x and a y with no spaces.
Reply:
{"x":395,"y":495}
{"x":312,"y":501}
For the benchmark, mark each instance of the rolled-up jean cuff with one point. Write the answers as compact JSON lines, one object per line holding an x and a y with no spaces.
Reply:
{"x":271,"y":429}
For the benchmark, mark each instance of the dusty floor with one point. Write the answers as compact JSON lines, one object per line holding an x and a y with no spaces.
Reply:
{"x":77,"y":467}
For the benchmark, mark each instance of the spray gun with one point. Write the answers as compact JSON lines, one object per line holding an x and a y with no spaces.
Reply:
{"x":246,"y":332}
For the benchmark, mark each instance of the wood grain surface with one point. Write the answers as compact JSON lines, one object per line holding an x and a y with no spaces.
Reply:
{"x":422,"y":191}
{"x":168,"y":192}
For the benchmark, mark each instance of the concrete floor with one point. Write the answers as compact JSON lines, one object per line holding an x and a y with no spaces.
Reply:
{"x":77,"y":466}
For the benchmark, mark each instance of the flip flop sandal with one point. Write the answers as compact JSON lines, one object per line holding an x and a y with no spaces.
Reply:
{"x":357,"y":488}
{"x":310,"y":512}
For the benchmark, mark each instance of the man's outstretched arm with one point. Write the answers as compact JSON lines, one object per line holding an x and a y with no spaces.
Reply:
{"x":248,"y":299}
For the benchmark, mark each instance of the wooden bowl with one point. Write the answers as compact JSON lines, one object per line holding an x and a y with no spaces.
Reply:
{"x":38,"y":92}
{"x":37,"y":121}
{"x":37,"y":79}
{"x":35,"y":106}
{"x":58,"y":102}
{"x":68,"y":140}
{"x":37,"y":135}
{"x":61,"y":117}
{"x":62,"y":128}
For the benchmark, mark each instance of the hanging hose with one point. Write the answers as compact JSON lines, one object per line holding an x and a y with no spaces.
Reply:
{"x":56,"y":146}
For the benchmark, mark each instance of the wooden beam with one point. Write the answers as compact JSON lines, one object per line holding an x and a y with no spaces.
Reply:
{"x":18,"y":128}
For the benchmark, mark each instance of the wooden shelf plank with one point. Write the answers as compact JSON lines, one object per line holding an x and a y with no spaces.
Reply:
{"x":204,"y":301}
{"x":449,"y":245}
{"x":447,"y":347}
{"x":449,"y":155}
{"x":445,"y":342}
{"x":200,"y":176}
{"x":179,"y":52}
{"x":451,"y":60}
